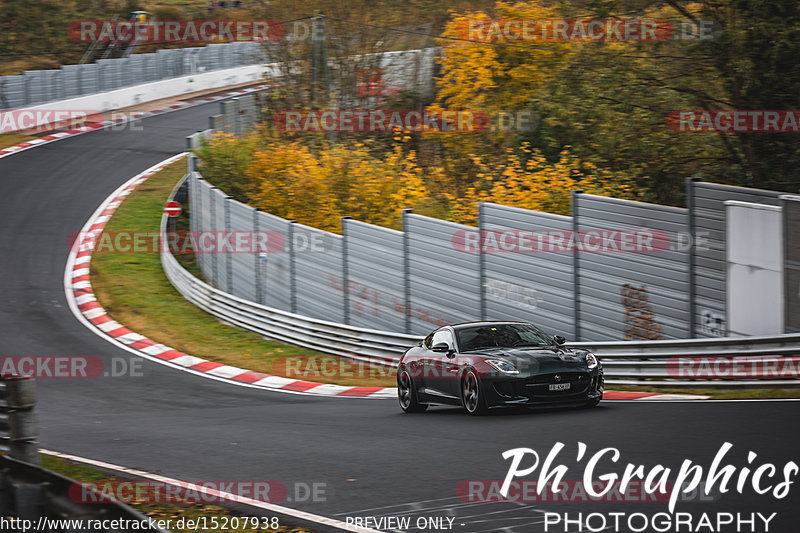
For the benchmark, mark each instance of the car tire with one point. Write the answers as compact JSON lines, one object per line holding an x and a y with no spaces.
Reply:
{"x":472,"y":397}
{"x":592,"y":403}
{"x":407,"y":394}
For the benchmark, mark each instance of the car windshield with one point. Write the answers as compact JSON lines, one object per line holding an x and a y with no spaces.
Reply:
{"x":501,"y":336}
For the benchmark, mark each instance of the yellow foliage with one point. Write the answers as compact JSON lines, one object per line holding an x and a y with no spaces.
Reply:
{"x":535,"y":184}
{"x":317,"y":189}
{"x":288,"y":179}
{"x":486,"y":77}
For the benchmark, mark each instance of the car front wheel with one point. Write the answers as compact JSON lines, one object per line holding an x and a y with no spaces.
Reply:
{"x":407,"y":394}
{"x":472,"y":395}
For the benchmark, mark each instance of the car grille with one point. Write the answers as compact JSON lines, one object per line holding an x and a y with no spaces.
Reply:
{"x":539,"y":386}
{"x":566,"y":377}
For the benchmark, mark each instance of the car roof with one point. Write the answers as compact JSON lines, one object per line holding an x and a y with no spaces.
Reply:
{"x":486,"y":323}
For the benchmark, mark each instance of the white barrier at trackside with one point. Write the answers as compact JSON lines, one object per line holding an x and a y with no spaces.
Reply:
{"x":148,"y":92}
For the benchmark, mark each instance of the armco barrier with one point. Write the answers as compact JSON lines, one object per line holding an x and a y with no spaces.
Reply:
{"x":18,"y":431}
{"x":625,"y":362}
{"x":36,"y":87}
{"x":156,"y":90}
{"x":34,"y":499}
{"x":649,"y":362}
{"x":380,"y":347}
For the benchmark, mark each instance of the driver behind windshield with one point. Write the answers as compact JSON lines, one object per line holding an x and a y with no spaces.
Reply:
{"x":489,"y":338}
{"x":500,"y":337}
{"x":508,"y":337}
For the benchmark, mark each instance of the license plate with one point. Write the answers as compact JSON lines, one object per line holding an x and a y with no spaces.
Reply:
{"x":560,"y":386}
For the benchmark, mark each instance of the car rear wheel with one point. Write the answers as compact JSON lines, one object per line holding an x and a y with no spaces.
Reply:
{"x":472,"y":396}
{"x":407,"y":394}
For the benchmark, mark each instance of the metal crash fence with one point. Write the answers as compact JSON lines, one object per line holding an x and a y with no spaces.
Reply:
{"x":349,"y":294}
{"x":35,"y":499}
{"x":436,"y":272}
{"x":32,"y":497}
{"x":18,"y":431}
{"x":675,"y":363}
{"x":35,"y":87}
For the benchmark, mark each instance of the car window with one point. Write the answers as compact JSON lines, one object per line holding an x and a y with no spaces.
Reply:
{"x":443,"y":335}
{"x":501,"y":336}
{"x":428,"y":340}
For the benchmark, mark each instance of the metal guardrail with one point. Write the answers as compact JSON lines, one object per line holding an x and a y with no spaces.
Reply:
{"x":646,"y":362}
{"x":35,"y":499}
{"x":625,"y":362}
{"x":36,"y":87}
{"x":379,"y":347}
{"x":375,"y":346}
{"x":17,"y":420}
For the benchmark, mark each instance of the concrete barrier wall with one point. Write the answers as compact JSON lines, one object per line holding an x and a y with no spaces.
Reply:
{"x":147,"y":92}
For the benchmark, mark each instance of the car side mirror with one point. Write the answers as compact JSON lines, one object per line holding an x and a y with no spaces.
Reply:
{"x":559,"y":339}
{"x":443,"y":347}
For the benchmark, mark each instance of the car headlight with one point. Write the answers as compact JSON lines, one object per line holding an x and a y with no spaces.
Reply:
{"x":503,"y":366}
{"x":591,"y":360}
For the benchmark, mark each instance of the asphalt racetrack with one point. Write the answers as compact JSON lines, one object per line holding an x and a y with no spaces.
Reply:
{"x":368,"y":459}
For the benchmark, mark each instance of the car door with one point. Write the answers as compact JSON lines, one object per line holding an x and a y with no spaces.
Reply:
{"x":419,"y":365}
{"x":443,"y":378}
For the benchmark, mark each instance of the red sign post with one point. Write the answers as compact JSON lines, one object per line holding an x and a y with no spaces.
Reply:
{"x":172,"y":209}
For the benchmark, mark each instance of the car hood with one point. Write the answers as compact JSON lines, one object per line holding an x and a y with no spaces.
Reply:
{"x":537,"y":360}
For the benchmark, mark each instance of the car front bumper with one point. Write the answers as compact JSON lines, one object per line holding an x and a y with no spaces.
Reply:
{"x":583,"y":387}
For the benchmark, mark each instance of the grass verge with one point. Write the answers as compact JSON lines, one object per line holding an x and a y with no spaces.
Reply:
{"x":134,"y":290}
{"x":12,"y":139}
{"x":157,"y":510}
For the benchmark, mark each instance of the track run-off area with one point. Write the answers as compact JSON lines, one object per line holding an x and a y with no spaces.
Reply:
{"x":365,"y":457}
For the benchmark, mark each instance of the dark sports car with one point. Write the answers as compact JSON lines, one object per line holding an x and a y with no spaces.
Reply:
{"x":484,"y":364}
